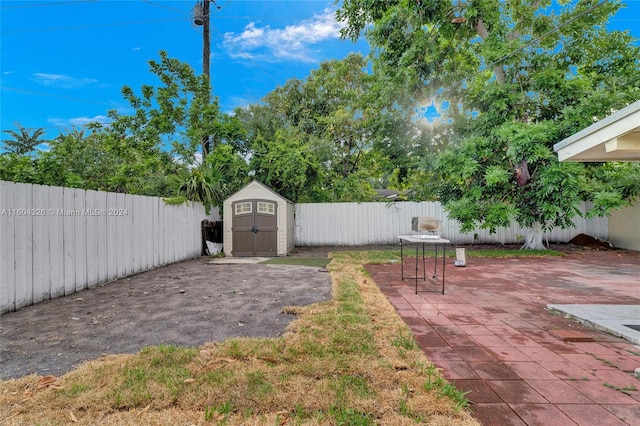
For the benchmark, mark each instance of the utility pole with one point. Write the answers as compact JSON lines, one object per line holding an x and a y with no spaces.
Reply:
{"x":201,"y":17}
{"x":206,"y":42}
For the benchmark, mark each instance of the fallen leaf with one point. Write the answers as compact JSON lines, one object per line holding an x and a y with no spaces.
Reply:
{"x":144,"y":410}
{"x":72,"y":417}
{"x":48,"y":381}
{"x":189,"y":380}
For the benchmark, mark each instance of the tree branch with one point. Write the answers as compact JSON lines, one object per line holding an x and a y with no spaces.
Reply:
{"x":481,"y":30}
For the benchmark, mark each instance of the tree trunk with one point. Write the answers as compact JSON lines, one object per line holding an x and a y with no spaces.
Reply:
{"x":533,"y":238}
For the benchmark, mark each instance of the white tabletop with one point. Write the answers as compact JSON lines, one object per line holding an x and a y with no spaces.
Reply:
{"x":427,"y":239}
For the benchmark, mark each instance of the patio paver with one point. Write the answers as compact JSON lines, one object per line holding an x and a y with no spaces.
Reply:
{"x":492,"y":335}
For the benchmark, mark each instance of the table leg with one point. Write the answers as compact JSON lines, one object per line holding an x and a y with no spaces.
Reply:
{"x":424,"y":263}
{"x":444,"y":263}
{"x":417,"y":271}
{"x":401,"y":260}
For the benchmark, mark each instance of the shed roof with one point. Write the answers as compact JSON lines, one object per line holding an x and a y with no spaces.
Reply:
{"x":614,"y":138}
{"x":255,"y":183}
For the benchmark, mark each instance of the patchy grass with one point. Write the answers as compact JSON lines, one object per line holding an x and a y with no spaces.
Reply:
{"x":394,"y":255}
{"x":500,"y":253}
{"x":298,"y":261}
{"x":347,"y":361}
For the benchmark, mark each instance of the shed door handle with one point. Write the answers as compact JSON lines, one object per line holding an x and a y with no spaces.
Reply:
{"x":254,"y":230}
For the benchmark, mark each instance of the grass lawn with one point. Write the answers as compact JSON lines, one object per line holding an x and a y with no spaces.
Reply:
{"x":299,"y":261}
{"x":347,"y":361}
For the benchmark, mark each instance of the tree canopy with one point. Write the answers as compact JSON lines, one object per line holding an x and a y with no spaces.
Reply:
{"x":516,"y":77}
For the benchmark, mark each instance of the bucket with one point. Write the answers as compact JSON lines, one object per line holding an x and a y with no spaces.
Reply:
{"x":461,"y":258}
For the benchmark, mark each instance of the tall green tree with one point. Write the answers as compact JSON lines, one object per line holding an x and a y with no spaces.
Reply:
{"x":179,"y":116}
{"x":335,"y":126}
{"x":518,"y":77}
{"x":24,"y":141}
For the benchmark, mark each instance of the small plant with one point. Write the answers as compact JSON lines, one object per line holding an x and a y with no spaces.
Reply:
{"x":458,"y":396}
{"x":404,"y":408}
{"x":445,"y":389}
{"x":405,"y":341}
{"x":633,"y":352}
{"x":258,"y":384}
{"x":626,"y":389}
{"x":76,"y":388}
{"x":350,"y":417}
{"x":603,"y":360}
{"x":434,"y":379}
{"x":219,"y":414}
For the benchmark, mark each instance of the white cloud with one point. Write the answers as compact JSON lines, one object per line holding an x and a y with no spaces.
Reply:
{"x":290,"y":43}
{"x":78,"y":121}
{"x":62,"y":80}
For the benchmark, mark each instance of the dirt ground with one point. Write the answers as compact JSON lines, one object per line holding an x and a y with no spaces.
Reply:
{"x":184,"y":304}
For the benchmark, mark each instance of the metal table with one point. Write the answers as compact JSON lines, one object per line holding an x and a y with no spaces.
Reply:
{"x":418,"y":241}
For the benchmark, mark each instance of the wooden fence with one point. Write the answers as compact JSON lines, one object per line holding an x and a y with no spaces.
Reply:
{"x":349,"y":224}
{"x":55,"y":241}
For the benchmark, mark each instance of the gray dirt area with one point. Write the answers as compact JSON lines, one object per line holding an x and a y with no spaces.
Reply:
{"x":185,"y":304}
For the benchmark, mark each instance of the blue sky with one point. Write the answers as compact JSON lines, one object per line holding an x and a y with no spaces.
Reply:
{"x":63,"y":62}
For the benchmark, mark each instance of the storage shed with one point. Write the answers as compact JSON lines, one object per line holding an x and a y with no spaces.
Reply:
{"x":258,"y":222}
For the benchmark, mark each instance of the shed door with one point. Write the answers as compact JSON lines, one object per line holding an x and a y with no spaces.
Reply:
{"x":255,"y":228}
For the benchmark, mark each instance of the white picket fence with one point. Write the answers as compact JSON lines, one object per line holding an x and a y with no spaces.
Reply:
{"x":349,"y":224}
{"x":55,"y":241}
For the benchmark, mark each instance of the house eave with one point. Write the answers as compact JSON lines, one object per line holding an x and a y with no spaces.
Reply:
{"x":614,"y":138}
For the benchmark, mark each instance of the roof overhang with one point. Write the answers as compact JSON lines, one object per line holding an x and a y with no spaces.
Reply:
{"x":614,"y":138}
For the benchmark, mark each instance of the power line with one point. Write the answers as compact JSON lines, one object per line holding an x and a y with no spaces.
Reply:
{"x":162,"y":6}
{"x":532,"y":42}
{"x":26,"y":6}
{"x":69,"y":98}
{"x":82,"y":27}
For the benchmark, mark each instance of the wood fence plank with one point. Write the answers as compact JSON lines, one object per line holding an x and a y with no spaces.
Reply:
{"x":88,"y":218}
{"x":7,"y":247}
{"x":102,"y":210}
{"x":40,"y":243}
{"x":23,"y":238}
{"x":82,"y":245}
{"x":55,"y":223}
{"x":114,"y":216}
